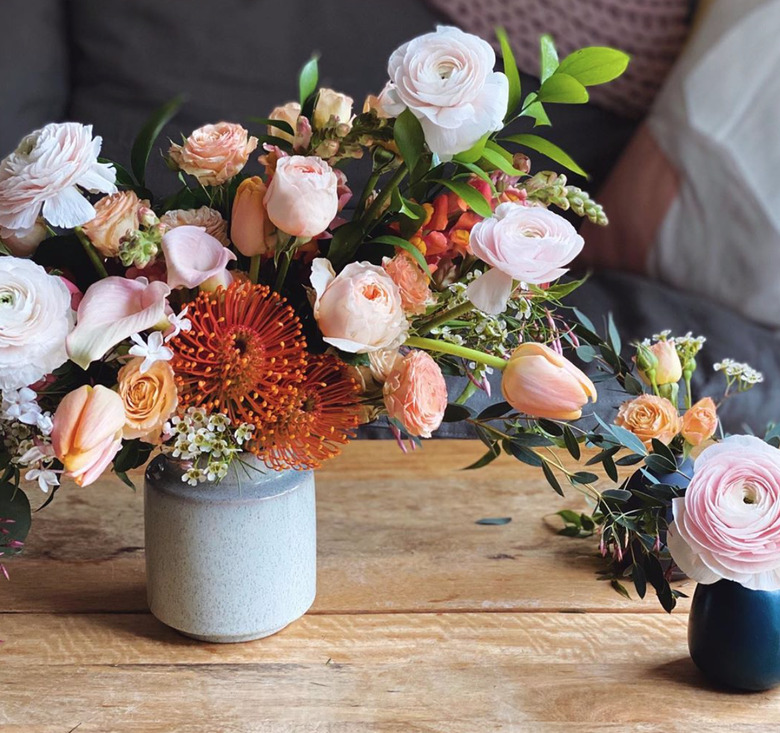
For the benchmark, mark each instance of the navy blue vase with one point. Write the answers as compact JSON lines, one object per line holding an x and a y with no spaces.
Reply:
{"x":734,"y":635}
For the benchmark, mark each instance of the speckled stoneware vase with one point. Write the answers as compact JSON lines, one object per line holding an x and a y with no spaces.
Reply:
{"x":232,"y":561}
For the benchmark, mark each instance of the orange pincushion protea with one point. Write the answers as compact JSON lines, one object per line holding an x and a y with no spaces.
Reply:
{"x":244,"y":355}
{"x":323,"y":418}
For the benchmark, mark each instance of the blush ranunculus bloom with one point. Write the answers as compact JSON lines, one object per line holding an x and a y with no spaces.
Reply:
{"x":214,"y":154}
{"x":302,"y":197}
{"x":446,"y":79}
{"x":359,"y":310}
{"x":526,"y":243}
{"x":411,"y":281}
{"x":648,"y":417}
{"x":116,"y":216}
{"x":149,"y":399}
{"x":700,"y":422}
{"x":87,"y":432}
{"x":112,"y":310}
{"x":44,"y":175}
{"x":415,"y":394}
{"x":35,"y":319}
{"x":207,"y":218}
{"x":541,"y":383}
{"x":251,"y":230}
{"x":193,"y":257}
{"x":727,"y":526}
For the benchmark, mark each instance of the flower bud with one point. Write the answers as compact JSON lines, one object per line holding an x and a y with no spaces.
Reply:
{"x":250,"y":229}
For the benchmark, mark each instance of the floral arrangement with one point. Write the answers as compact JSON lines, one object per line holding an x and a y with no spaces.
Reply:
{"x":704,"y":516}
{"x":260,"y":314}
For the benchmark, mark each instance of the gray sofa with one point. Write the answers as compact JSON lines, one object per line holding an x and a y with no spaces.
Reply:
{"x":110,"y":62}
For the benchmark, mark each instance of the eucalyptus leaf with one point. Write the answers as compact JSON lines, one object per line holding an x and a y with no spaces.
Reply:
{"x":456,"y":413}
{"x":551,"y":478}
{"x":489,"y":457}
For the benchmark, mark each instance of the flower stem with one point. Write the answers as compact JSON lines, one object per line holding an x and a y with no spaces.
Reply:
{"x":444,"y":347}
{"x":281,"y":273}
{"x":374,"y":212}
{"x":448,"y":315}
{"x":91,"y":253}
{"x":254,"y":269}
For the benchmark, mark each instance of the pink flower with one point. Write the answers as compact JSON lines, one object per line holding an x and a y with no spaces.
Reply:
{"x":250,"y":228}
{"x":35,"y":319}
{"x":529,"y":244}
{"x":194,"y":257}
{"x":24,"y":242}
{"x":45,"y":173}
{"x":728,"y":523}
{"x":411,"y":281}
{"x":116,"y":217}
{"x":542,"y":383}
{"x":214,"y":153}
{"x":415,"y":394}
{"x":87,"y":432}
{"x":359,"y":310}
{"x":302,"y":198}
{"x":210,"y":219}
{"x":113,"y":309}
{"x":288,"y":113}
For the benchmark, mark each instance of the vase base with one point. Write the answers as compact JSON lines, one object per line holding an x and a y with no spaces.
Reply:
{"x":232,"y":639}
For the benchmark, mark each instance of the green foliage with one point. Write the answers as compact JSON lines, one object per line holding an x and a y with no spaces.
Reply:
{"x":562,"y":88}
{"x":548,"y":58}
{"x":410,"y":138}
{"x":282,"y":125}
{"x":307,"y":80}
{"x":545,"y":147}
{"x":142,"y":147}
{"x":512,"y":74}
{"x":134,"y":453}
{"x":405,"y":245}
{"x":473,"y":198}
{"x":595,"y":65}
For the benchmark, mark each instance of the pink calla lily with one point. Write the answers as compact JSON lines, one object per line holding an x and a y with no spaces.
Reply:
{"x":111,"y":311}
{"x":193,"y":256}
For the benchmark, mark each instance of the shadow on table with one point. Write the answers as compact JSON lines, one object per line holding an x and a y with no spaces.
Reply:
{"x":684,"y":672}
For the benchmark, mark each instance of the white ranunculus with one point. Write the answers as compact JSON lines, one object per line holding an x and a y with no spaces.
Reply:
{"x":446,"y":79}
{"x":45,"y":173}
{"x":35,"y":319}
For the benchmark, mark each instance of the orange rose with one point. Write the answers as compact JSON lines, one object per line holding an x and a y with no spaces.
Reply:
{"x":650,"y":417}
{"x":700,"y":422}
{"x":411,"y":281}
{"x":116,"y":216}
{"x":149,"y":399}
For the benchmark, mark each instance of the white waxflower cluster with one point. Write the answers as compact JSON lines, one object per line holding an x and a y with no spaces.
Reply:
{"x":25,"y":429}
{"x":207,"y":441}
{"x":739,"y":372}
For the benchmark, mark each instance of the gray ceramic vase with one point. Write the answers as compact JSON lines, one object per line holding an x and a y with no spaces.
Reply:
{"x":232,"y":561}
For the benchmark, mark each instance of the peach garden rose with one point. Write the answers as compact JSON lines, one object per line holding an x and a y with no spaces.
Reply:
{"x":149,"y":399}
{"x":207,"y":218}
{"x":700,"y":422}
{"x":116,"y":216}
{"x":650,"y":417}
{"x":411,"y":281}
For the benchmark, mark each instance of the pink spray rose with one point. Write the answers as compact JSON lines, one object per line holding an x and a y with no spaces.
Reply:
{"x":116,"y":216}
{"x":415,"y":394}
{"x":210,"y":219}
{"x":446,"y":79}
{"x":214,"y":153}
{"x":542,"y":383}
{"x":193,"y":257}
{"x":411,"y":281}
{"x":359,"y":310}
{"x":728,"y":523}
{"x":45,"y":173}
{"x":87,"y":432}
{"x":302,"y":198}
{"x":529,"y":244}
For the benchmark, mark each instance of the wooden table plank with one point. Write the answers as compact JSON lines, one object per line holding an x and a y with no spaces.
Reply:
{"x":399,"y":672}
{"x":396,"y":533}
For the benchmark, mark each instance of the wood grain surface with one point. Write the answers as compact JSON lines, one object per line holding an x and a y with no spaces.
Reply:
{"x":424,"y":621}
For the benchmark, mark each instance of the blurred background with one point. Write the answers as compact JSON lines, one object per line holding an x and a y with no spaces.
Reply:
{"x":680,"y":151}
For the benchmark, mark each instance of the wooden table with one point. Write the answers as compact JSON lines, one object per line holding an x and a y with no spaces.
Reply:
{"x":424,"y":621}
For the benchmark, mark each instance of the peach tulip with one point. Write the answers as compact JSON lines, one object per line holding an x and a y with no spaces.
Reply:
{"x":542,"y":383}
{"x":87,"y":432}
{"x":250,"y":229}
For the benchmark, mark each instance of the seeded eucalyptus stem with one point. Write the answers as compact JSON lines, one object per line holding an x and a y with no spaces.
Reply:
{"x":443,"y":347}
{"x":91,"y":253}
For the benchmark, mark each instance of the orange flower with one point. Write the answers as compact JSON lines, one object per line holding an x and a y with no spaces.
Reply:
{"x":149,"y":399}
{"x":411,"y":281}
{"x":244,"y":356}
{"x":700,"y":422}
{"x":650,"y":417}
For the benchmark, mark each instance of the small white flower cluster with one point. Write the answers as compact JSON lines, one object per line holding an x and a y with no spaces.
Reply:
{"x":739,"y":372}
{"x":25,"y":433}
{"x":207,"y":441}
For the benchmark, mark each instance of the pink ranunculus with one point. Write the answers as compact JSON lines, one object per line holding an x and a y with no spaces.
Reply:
{"x":45,"y":173}
{"x":446,"y":79}
{"x":529,"y":244}
{"x":542,"y":383}
{"x":411,"y":281}
{"x":87,"y":432}
{"x":210,"y":219}
{"x":415,"y":394}
{"x":727,"y":526}
{"x":35,"y":319}
{"x":302,"y":198}
{"x":214,"y":153}
{"x":194,"y":257}
{"x":359,"y":310}
{"x":112,"y":310}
